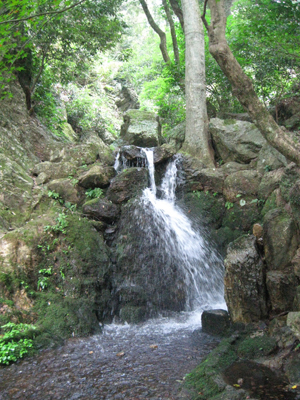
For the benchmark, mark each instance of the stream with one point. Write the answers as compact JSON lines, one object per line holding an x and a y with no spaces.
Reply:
{"x":147,"y":361}
{"x":144,"y":361}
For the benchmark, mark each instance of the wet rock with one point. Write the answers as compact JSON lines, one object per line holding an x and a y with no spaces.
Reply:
{"x":66,"y":190}
{"x":274,"y":201}
{"x":245,"y":291}
{"x":127,"y":99}
{"x":127,"y":185}
{"x":281,"y":289}
{"x":280,"y":239}
{"x":241,"y":218}
{"x":141,"y":128}
{"x":97,"y":176}
{"x":254,"y":347}
{"x":238,"y":141}
{"x":215,"y":322}
{"x":163,"y":153}
{"x":293,"y":321}
{"x":241,"y":185}
{"x":269,"y":159}
{"x":270,"y":181}
{"x":101,"y":209}
{"x":132,"y":314}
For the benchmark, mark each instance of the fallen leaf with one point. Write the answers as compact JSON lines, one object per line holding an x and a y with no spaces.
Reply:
{"x":294,"y":387}
{"x":121,"y":354}
{"x":236,"y":385}
{"x":153,"y":346}
{"x":91,"y":352}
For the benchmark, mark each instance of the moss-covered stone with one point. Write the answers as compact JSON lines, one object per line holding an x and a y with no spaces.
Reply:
{"x":132,"y":314}
{"x":206,"y":378}
{"x":257,"y":347}
{"x":290,"y":176}
{"x":241,"y":218}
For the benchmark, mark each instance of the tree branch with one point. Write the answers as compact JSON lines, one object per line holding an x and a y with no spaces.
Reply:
{"x":203,"y":15}
{"x":173,"y":32}
{"x":156,"y":28}
{"x":178,"y":12}
{"x":41,"y":14}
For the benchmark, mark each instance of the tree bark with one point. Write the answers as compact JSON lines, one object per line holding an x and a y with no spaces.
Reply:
{"x":242,"y":86}
{"x":156,"y":28}
{"x":173,"y":32}
{"x":197,"y":139}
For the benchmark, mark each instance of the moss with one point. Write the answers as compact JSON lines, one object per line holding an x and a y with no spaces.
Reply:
{"x":255,"y":347}
{"x":270,"y":204}
{"x":229,"y":121}
{"x":241,"y":218}
{"x":132,"y":314}
{"x":204,"y":378}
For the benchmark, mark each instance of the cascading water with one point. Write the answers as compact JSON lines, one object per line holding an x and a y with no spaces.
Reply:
{"x":200,"y":264}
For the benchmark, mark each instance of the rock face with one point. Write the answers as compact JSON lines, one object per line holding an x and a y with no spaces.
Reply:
{"x":280,"y":239}
{"x":97,"y":176}
{"x":141,"y":128}
{"x":215,"y":322}
{"x":245,"y":291}
{"x":101,"y":209}
{"x":238,"y":141}
{"x":128,"y":184}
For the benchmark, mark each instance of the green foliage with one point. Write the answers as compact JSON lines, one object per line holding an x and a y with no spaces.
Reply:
{"x":94,"y":193}
{"x":60,"y":226}
{"x":16,"y":341}
{"x":228,"y":205}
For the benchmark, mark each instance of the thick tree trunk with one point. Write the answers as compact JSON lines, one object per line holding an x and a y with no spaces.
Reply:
{"x":156,"y":28}
{"x":242,"y":86}
{"x":197,"y":140}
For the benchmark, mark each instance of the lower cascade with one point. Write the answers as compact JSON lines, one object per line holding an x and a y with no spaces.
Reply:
{"x":172,"y":265}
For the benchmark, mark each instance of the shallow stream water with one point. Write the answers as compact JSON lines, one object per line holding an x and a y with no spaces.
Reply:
{"x":147,"y":361}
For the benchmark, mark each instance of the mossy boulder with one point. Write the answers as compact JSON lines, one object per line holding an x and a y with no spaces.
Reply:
{"x":97,"y":176}
{"x":256,"y":347}
{"x":47,"y":171}
{"x":270,"y":182}
{"x":238,"y":141}
{"x":294,"y":197}
{"x":66,"y":190}
{"x":128,"y":184}
{"x":241,"y":217}
{"x":290,"y":176}
{"x":280,"y":239}
{"x":269,"y":159}
{"x":132,"y":314}
{"x":241,"y":185}
{"x":207,"y":179}
{"x":141,"y":128}
{"x":102,"y":209}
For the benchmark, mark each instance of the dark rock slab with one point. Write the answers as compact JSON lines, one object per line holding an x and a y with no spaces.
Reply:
{"x":215,"y":322}
{"x":101,"y":209}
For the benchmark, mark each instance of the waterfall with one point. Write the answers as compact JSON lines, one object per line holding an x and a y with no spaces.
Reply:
{"x":200,"y":264}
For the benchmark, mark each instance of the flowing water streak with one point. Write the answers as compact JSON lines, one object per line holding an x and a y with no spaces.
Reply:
{"x":191,"y":252}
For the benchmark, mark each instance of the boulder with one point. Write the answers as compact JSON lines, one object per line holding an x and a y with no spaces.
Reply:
{"x":127,"y":99}
{"x":127,"y":184}
{"x":280,"y":239}
{"x":281,"y":290}
{"x":292,"y":367}
{"x":270,"y":181}
{"x":270,"y":159}
{"x":245,"y":291}
{"x":241,"y":185}
{"x":293,"y":321}
{"x":296,"y":305}
{"x":232,"y":166}
{"x":274,"y":201}
{"x":215,"y":322}
{"x":290,"y":176}
{"x":234,"y":140}
{"x":47,"y":171}
{"x":207,"y":179}
{"x":296,"y":263}
{"x":101,"y":209}
{"x":97,"y":176}
{"x":294,"y":197}
{"x":136,"y":157}
{"x":66,"y":190}
{"x":141,"y":128}
{"x":241,"y":217}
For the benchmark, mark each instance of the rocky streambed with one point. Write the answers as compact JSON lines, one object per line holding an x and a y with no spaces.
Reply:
{"x":146,"y":361}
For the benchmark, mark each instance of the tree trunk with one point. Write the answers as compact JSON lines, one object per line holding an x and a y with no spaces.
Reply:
{"x":242,"y":86}
{"x":156,"y":28}
{"x":178,"y":12}
{"x":197,"y":140}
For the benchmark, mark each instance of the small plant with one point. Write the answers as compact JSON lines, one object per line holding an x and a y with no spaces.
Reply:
{"x":54,"y":195}
{"x":242,"y":202}
{"x":61,"y":224}
{"x":228,"y":205}
{"x":197,"y":193}
{"x":13,"y":344}
{"x":44,"y":278}
{"x":94,"y":193}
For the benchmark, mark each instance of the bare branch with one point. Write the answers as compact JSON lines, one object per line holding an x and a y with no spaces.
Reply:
{"x":173,"y":32}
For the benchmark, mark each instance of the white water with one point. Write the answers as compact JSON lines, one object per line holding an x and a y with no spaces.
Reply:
{"x":201,"y":265}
